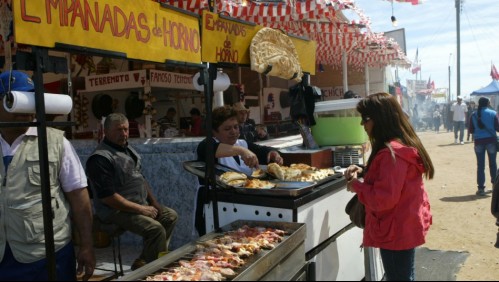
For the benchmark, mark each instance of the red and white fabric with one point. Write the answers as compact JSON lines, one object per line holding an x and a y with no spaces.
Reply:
{"x":318,"y":20}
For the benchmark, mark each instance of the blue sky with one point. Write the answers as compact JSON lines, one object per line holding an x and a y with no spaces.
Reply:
{"x":431,"y":28}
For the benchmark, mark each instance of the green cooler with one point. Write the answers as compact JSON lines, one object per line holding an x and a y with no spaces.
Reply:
{"x":338,"y":123}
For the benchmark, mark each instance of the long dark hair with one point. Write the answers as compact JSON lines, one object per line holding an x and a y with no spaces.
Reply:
{"x":390,"y":123}
{"x":483,"y":103}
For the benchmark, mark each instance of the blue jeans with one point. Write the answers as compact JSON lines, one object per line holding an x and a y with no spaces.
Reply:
{"x":480,"y":150}
{"x":399,"y":265}
{"x":12,"y":270}
{"x":459,"y":126}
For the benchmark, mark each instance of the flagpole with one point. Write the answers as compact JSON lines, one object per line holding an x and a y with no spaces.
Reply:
{"x":458,"y":31}
{"x":450,"y":58}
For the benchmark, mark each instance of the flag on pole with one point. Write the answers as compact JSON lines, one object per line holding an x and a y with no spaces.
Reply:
{"x":416,"y":66}
{"x":494,"y":73}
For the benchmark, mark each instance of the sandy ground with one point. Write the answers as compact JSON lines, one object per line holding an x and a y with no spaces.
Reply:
{"x":461,"y":220}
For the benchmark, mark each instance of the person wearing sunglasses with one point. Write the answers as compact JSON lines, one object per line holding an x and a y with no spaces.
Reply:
{"x":392,"y":190}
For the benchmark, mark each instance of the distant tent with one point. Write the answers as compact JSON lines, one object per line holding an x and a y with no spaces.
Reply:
{"x":491,"y":89}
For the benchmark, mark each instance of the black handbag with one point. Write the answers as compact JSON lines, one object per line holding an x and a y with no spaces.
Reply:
{"x":356,"y":211}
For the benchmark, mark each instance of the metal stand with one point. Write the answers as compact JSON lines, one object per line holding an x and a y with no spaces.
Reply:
{"x":373,"y":265}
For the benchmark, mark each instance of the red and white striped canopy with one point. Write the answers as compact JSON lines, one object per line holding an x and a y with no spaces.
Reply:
{"x":413,"y":2}
{"x":319,"y":20}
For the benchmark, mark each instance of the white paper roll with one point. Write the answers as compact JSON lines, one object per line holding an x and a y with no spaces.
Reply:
{"x":24,"y":102}
{"x":197,"y":86}
{"x":220,"y":84}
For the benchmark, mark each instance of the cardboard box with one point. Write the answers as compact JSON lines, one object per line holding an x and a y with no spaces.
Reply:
{"x":322,"y":158}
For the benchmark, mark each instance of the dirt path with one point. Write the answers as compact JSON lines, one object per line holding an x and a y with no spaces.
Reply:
{"x":461,"y":220}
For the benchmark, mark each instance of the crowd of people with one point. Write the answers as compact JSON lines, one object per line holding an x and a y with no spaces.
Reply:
{"x":454,"y":117}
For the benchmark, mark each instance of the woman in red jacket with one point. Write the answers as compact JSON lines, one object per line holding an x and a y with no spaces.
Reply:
{"x":392,"y":189}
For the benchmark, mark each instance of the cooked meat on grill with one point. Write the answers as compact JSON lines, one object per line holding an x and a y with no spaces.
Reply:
{"x":219,"y":258}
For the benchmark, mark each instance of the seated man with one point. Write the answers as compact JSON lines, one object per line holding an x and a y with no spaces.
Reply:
{"x":247,"y":129}
{"x":123,"y":196}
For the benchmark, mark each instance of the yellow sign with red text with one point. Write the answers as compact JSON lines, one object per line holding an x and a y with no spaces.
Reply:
{"x":142,"y":30}
{"x":306,"y":50}
{"x":227,"y":40}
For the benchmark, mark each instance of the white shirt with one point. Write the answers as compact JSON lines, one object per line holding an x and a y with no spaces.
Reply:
{"x":72,"y":175}
{"x":459,"y":111}
{"x":231,"y":162}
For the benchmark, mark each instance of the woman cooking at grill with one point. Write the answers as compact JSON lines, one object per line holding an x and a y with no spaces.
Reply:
{"x":232,"y":152}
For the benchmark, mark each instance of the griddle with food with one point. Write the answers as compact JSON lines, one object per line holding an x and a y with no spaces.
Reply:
{"x":271,"y":180}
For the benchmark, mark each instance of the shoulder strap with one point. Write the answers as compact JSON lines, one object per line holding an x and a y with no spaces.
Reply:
{"x":486,"y":128}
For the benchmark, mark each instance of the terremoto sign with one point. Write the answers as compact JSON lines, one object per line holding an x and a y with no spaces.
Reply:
{"x":142,"y":30}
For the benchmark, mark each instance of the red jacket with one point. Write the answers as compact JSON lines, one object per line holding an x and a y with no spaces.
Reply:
{"x":397,"y":207}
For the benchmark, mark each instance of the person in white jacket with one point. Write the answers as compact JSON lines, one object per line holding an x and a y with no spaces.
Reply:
{"x":459,"y":110}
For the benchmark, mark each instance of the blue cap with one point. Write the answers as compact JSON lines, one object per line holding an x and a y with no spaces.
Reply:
{"x":19,"y":81}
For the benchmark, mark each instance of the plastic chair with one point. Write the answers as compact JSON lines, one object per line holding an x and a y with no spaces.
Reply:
{"x":114,"y":232}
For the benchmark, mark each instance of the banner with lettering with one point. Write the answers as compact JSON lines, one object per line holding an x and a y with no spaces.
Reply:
{"x":226,"y":40}
{"x":306,"y":50}
{"x":142,"y":30}
{"x":167,"y":79}
{"x":116,"y":80}
{"x":332,"y":93}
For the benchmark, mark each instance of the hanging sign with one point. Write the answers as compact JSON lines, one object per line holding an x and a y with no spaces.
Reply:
{"x":306,"y":50}
{"x":225,"y":40}
{"x":228,"y":40}
{"x":142,"y":30}
{"x":116,"y":80}
{"x":166,"y":79}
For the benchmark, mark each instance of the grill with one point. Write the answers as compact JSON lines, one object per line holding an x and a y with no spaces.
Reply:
{"x":284,"y":262}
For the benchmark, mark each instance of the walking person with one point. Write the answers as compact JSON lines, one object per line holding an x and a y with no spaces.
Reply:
{"x":483,"y":125}
{"x":459,"y":110}
{"x":448,"y":118}
{"x":392,"y":189}
{"x":471,"y":110}
{"x":415,"y":117}
{"x":436,"y":119}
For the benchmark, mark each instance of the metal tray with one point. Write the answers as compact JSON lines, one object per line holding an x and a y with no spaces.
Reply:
{"x":282,"y":189}
{"x":257,"y":265}
{"x":318,"y":182}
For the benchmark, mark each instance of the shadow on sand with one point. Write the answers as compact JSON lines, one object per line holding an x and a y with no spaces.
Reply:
{"x":466,"y":198}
